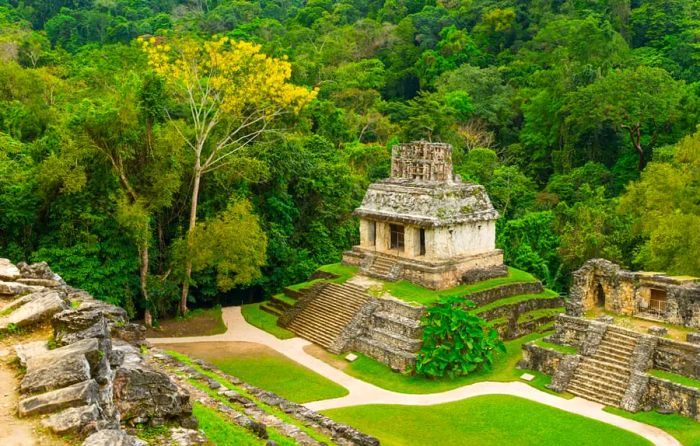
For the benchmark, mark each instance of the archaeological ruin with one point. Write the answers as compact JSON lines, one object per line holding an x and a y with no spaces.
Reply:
{"x":627,"y":340}
{"x":426,"y":227}
{"x":424,"y":224}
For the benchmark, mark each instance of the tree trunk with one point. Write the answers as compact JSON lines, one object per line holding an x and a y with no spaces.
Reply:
{"x":190,"y":236}
{"x":147,"y":317}
{"x":635,"y":132}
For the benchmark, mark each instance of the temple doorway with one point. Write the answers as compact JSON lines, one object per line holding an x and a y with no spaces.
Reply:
{"x":600,"y":296}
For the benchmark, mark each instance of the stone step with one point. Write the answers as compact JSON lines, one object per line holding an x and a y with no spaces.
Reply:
{"x":404,"y":326}
{"x":603,"y":375}
{"x":618,"y":334}
{"x":395,"y":340}
{"x":620,"y":348}
{"x":394,"y":358}
{"x":319,"y":322}
{"x":606,"y":349}
{"x":598,"y":382}
{"x":599,"y":386}
{"x":325,"y":317}
{"x":329,"y":313}
{"x":589,"y":395}
{"x":612,"y":360}
{"x":606,"y":365}
{"x":339,"y":297}
{"x":401,"y":308}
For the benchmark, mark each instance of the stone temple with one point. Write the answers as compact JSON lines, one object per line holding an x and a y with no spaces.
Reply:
{"x":425,"y":225}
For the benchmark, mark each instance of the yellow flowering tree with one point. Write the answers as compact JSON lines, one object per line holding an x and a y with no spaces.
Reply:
{"x":233,"y":92}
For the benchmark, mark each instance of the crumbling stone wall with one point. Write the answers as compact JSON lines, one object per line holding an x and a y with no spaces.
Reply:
{"x":96,"y":376}
{"x":541,"y":359}
{"x":673,"y":397}
{"x":629,"y":293}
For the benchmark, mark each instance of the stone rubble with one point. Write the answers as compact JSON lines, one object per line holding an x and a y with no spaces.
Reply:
{"x":92,"y":378}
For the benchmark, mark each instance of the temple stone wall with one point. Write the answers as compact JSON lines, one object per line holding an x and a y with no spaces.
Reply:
{"x":466,"y":239}
{"x":630,"y":293}
{"x":669,"y":396}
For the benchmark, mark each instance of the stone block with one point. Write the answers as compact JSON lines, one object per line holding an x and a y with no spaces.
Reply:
{"x":658,"y":331}
{"x":604,"y":318}
{"x":29,"y":350}
{"x":351,"y":357}
{"x":112,"y":437}
{"x":80,"y":420}
{"x":141,"y":393}
{"x":8,"y":271}
{"x":37,"y":310}
{"x":527,"y":376}
{"x":55,"y":374}
{"x":16,"y":288}
{"x":81,"y":394}
{"x":693,"y":338}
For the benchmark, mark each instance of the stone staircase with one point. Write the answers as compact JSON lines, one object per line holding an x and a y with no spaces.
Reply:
{"x":393,"y":335}
{"x":323,"y":319}
{"x":382,"y":268}
{"x":604,"y":376}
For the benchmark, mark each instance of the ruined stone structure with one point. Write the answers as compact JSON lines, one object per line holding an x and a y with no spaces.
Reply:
{"x":656,"y":296}
{"x":424,"y":225}
{"x":615,"y":365}
{"x":92,"y":378}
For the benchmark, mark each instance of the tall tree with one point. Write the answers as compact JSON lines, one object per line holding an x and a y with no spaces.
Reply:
{"x":233,"y":92}
{"x":642,"y":102}
{"x":145,"y":159}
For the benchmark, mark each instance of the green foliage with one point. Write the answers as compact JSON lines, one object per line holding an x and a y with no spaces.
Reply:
{"x":666,"y":212}
{"x":455,"y":342}
{"x":552,"y":106}
{"x":233,"y":244}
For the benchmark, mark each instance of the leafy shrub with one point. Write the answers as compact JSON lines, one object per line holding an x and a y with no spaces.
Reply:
{"x":456,"y":342}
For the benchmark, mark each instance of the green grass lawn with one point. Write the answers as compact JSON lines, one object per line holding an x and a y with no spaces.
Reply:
{"x":222,"y":432}
{"x":255,"y":316}
{"x":503,"y":370}
{"x":684,"y":429}
{"x":673,"y":377}
{"x":566,"y":349}
{"x":484,"y":421}
{"x":344,"y":272}
{"x":265,"y":368}
{"x":546,"y":295}
{"x":410,"y":292}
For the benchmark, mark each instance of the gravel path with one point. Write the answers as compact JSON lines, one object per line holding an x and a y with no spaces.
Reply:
{"x":362,"y":393}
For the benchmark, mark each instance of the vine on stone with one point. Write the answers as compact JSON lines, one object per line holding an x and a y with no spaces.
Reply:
{"x":455,"y":341}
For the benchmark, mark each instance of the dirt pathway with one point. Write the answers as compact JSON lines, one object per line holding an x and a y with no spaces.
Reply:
{"x":362,"y":393}
{"x":14,"y":432}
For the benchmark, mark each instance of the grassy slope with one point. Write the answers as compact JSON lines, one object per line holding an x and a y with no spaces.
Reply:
{"x":485,"y":420}
{"x":222,"y":432}
{"x":255,"y":316}
{"x":410,"y":292}
{"x":272,"y":371}
{"x":673,"y":377}
{"x":503,"y":370}
{"x":566,"y":349}
{"x":546,"y":294}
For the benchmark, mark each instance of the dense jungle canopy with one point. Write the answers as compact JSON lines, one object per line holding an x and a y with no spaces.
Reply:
{"x":579,"y":117}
